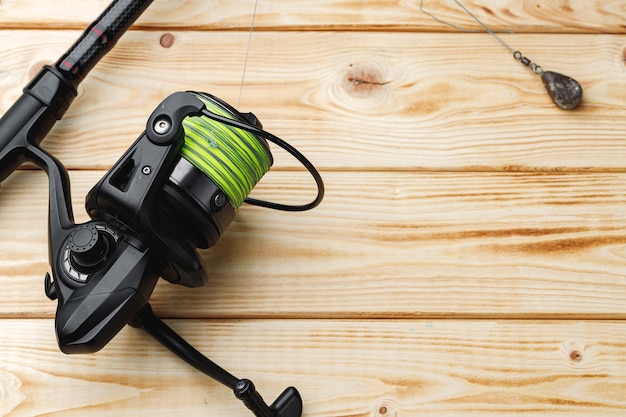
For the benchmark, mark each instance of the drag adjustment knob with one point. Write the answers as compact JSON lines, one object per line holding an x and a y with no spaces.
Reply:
{"x":88,"y":247}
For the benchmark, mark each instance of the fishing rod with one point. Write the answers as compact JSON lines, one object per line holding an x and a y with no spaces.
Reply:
{"x":174,"y":191}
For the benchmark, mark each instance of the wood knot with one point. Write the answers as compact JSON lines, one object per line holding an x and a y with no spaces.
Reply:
{"x":167,"y":40}
{"x":362,"y":81}
{"x":576,"y":356}
{"x":385,"y":409}
{"x":575,"y":352}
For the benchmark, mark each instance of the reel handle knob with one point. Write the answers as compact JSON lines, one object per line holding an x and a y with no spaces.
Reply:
{"x":288,"y":404}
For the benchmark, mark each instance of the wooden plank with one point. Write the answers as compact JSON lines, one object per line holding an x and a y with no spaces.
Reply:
{"x":342,"y":368}
{"x":399,"y":101}
{"x":382,"y":244}
{"x":468,"y":258}
{"x":594,"y":16}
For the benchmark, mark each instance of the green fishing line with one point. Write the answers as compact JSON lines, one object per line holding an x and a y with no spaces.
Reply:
{"x":234,"y":159}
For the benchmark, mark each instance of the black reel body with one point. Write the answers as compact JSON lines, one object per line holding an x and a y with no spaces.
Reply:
{"x":150,"y":213}
{"x":160,"y":197}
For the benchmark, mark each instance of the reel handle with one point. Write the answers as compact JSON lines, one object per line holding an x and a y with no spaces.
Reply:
{"x":288,"y":404}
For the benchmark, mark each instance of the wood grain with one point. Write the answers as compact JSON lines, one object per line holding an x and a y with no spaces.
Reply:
{"x":468,"y":258}
{"x":342,"y":368}
{"x":593,"y":16}
{"x":399,"y":101}
{"x":381,"y":245}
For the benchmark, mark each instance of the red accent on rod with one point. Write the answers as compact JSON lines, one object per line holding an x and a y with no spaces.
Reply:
{"x":70,"y":68}
{"x":100,"y":34}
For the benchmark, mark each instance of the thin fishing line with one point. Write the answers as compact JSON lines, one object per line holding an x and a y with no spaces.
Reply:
{"x":537,"y":69}
{"x":491,"y":32}
{"x":461,"y":29}
{"x":245,"y":62}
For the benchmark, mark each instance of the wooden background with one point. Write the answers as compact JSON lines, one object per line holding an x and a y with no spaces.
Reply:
{"x":468,"y":259}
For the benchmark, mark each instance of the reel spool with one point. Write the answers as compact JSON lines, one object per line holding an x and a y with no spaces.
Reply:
{"x":233,"y":158}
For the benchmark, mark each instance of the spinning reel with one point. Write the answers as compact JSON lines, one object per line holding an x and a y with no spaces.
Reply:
{"x":174,"y":191}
